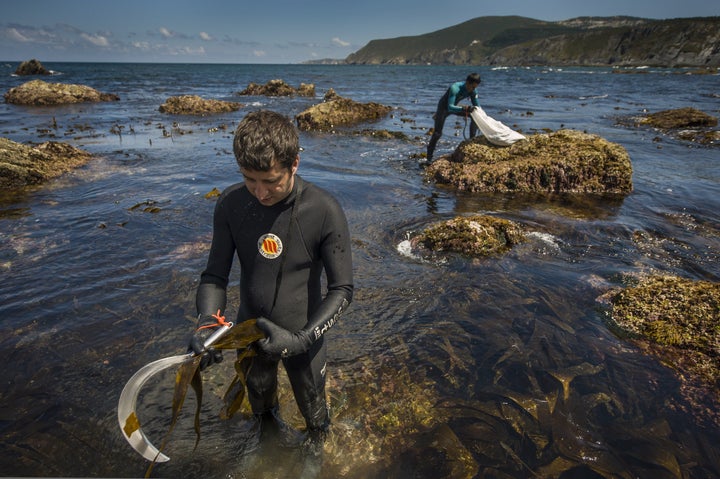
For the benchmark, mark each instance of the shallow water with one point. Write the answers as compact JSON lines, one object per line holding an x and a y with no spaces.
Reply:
{"x":508,"y":361}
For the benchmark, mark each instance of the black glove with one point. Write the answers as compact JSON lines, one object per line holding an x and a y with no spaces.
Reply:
{"x":281,"y":342}
{"x":210,"y":355}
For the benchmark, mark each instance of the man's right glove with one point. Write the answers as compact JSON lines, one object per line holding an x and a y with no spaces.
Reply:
{"x":210,"y":355}
{"x":196,"y":346}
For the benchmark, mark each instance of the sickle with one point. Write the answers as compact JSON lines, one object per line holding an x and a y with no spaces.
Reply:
{"x":127,"y":418}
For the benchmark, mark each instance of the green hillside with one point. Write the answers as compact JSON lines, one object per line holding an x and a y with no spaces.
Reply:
{"x":514,"y":40}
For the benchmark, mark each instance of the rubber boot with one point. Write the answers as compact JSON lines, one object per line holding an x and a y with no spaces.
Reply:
{"x":272,"y":428}
{"x":313,"y":452}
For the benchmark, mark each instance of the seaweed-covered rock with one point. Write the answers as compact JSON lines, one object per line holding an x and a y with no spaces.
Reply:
{"x":680,"y":321}
{"x":31,"y":67}
{"x":306,"y":89}
{"x":337,"y":111}
{"x":278,"y":87}
{"x":478,"y":235}
{"x":679,"y":118}
{"x":40,"y":93}
{"x":195,"y":105}
{"x":562,"y":161}
{"x":22,"y":165}
{"x":685,"y":123}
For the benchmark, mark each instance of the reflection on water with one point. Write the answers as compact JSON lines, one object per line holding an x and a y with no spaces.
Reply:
{"x":450,"y":367}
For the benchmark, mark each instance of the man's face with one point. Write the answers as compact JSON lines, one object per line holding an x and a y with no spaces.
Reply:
{"x":471,"y":86}
{"x":272,"y":186}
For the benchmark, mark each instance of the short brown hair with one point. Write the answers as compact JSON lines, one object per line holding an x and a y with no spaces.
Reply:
{"x":263,"y":138}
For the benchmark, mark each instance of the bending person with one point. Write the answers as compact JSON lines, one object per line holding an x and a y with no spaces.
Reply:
{"x":448,"y":105}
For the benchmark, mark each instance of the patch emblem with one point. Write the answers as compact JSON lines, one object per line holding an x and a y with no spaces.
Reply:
{"x":270,"y":246}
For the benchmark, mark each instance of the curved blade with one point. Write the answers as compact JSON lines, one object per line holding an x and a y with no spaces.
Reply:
{"x":128,"y":401}
{"x":127,"y":418}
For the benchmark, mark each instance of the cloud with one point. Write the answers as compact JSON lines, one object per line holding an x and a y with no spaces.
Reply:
{"x":191,"y":51}
{"x":97,"y":40}
{"x":259,"y":53}
{"x":340,"y":42}
{"x":145,"y":46}
{"x":14,"y":34}
{"x":206,"y":36}
{"x":166,"y":33}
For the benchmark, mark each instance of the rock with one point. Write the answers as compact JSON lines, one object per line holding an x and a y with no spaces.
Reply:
{"x":383,"y":134}
{"x":22,"y":165}
{"x":565,"y":161}
{"x":331,"y":95}
{"x":337,"y":111}
{"x":40,"y":93}
{"x":679,"y":118}
{"x":478,"y":235}
{"x":31,"y":67}
{"x":685,"y":123}
{"x":195,"y":105}
{"x":278,"y":88}
{"x":676,"y":320}
{"x":306,"y":89}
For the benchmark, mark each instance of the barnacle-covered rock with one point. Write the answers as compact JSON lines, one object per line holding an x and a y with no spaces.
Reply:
{"x":336,"y":111}
{"x":195,"y":105}
{"x":679,"y":118}
{"x":677,"y":320}
{"x":40,"y":93}
{"x":22,"y":165}
{"x":478,"y":235}
{"x":32,"y":67}
{"x":278,"y":87}
{"x":565,"y":161}
{"x":687,"y":124}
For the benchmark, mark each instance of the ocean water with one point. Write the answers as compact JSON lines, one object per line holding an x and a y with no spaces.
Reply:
{"x":508,"y":363}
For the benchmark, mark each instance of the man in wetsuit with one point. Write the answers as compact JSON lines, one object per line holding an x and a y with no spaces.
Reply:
{"x":284,"y":231}
{"x":448,"y":105}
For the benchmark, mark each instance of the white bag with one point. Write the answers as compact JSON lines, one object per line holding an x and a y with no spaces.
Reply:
{"x":495,"y":132}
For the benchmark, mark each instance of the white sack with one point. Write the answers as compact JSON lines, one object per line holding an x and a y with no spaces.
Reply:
{"x":495,"y":132}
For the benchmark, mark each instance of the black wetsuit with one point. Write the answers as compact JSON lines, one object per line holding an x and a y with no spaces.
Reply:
{"x":265,"y":240}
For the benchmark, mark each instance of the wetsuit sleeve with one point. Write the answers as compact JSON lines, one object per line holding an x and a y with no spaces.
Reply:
{"x":209,"y":299}
{"x":474,"y":98}
{"x":337,"y":259}
{"x":453,"y":98}
{"x":211,"y":293}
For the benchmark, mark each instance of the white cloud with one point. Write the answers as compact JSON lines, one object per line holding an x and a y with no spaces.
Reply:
{"x":340,"y":42}
{"x":192,"y":51}
{"x":166,"y":33}
{"x":97,"y":40}
{"x":205,"y":36}
{"x":15,"y":35}
{"x":259,"y":53}
{"x":141,"y":45}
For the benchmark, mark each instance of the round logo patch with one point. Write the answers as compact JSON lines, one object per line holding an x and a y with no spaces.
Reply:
{"x":270,"y":246}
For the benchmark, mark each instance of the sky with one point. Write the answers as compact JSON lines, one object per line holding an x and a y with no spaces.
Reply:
{"x":260,"y":31}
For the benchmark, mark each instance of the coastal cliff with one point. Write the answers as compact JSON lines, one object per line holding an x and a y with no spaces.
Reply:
{"x":583,"y":41}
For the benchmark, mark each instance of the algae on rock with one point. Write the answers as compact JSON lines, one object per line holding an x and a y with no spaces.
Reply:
{"x":566,"y":161}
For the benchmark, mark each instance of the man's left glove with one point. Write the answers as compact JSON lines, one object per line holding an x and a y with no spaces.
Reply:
{"x":281,"y":342}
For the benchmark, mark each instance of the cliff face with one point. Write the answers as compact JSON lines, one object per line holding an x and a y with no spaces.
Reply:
{"x":612,"y":41}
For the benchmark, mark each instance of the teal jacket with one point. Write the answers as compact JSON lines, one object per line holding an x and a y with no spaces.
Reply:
{"x":457,"y":92}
